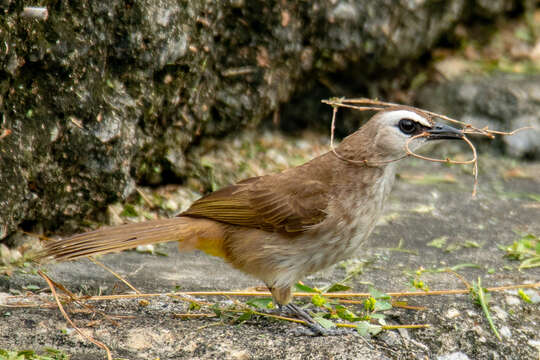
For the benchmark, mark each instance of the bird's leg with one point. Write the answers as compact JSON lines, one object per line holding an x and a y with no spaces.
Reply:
{"x":282,"y":297}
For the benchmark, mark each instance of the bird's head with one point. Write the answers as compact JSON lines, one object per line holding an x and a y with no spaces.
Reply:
{"x":388,"y":133}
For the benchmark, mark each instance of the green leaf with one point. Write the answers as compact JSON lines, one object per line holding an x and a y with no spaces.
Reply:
{"x":526,"y":250}
{"x":304,"y":288}
{"x":528,"y":240}
{"x":325,"y":323}
{"x":452,"y":247}
{"x":215,"y":308}
{"x":382,"y":305}
{"x":524,"y":296}
{"x":530,"y":263}
{"x":244,"y":317}
{"x":465,"y":265}
{"x":52,"y":351}
{"x":438,"y":242}
{"x":26,"y":353}
{"x":471,"y":243}
{"x":129,"y":211}
{"x":31,"y":287}
{"x":364,"y":328}
{"x":261,"y":303}
{"x":345,"y":314}
{"x":378,"y":294}
{"x":337,"y":287}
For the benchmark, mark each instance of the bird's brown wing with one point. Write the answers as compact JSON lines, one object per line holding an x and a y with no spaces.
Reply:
{"x":271,"y":203}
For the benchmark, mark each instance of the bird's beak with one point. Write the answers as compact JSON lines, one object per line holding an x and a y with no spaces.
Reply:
{"x":443,"y":131}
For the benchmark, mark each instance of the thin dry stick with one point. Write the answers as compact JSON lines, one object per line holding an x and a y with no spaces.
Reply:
{"x":474,"y":160}
{"x":395,"y":304}
{"x":146,"y":199}
{"x":89,"y":338}
{"x":29,"y":305}
{"x":273,"y":316}
{"x":506,"y":133}
{"x":133,"y":287}
{"x":447,"y":160}
{"x":468,"y":128}
{"x":192,"y":315}
{"x":279,"y":317}
{"x":360,"y":162}
{"x":398,"y":304}
{"x":475,"y":166}
{"x":304,"y":294}
{"x":72,"y":297}
{"x":361,"y":108}
{"x":232,"y":293}
{"x":463,"y":280}
{"x":99,"y":263}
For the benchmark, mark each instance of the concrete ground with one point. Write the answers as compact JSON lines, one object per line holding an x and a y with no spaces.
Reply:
{"x":430,"y":211}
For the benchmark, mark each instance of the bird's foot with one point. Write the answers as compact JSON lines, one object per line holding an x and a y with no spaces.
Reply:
{"x":318,"y":330}
{"x":313,"y":328}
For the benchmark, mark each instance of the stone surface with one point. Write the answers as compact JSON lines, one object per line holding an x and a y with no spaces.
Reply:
{"x":102,"y":94}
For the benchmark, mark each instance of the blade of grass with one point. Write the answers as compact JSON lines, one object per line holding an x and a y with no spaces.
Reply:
{"x":483,"y":303}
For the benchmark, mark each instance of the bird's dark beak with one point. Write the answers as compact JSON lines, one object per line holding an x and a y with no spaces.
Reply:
{"x":443,"y":131}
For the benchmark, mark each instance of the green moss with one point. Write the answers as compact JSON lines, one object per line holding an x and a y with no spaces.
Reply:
{"x":48,"y":354}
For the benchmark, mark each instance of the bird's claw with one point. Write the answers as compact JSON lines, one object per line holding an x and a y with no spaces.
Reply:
{"x":313,"y":328}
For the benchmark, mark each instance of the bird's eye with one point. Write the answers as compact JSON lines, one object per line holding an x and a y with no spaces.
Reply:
{"x":407,"y":126}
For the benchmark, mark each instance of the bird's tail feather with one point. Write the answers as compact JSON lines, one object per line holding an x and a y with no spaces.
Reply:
{"x":117,"y":238}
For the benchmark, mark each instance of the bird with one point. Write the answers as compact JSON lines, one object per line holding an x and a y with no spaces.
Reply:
{"x":284,"y":226}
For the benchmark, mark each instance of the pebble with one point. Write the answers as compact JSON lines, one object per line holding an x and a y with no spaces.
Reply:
{"x":345,"y":12}
{"x":505,"y":332}
{"x":533,"y":295}
{"x":458,"y":355}
{"x":390,"y":338}
{"x":499,"y":312}
{"x":512,"y":300}
{"x":452,"y":313}
{"x":4,"y":297}
{"x":149,"y":248}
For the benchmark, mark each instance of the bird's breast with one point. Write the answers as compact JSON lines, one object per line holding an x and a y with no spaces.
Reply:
{"x":354,"y":216}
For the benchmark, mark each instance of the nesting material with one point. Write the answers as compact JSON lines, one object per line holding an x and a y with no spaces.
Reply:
{"x":364,"y":104}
